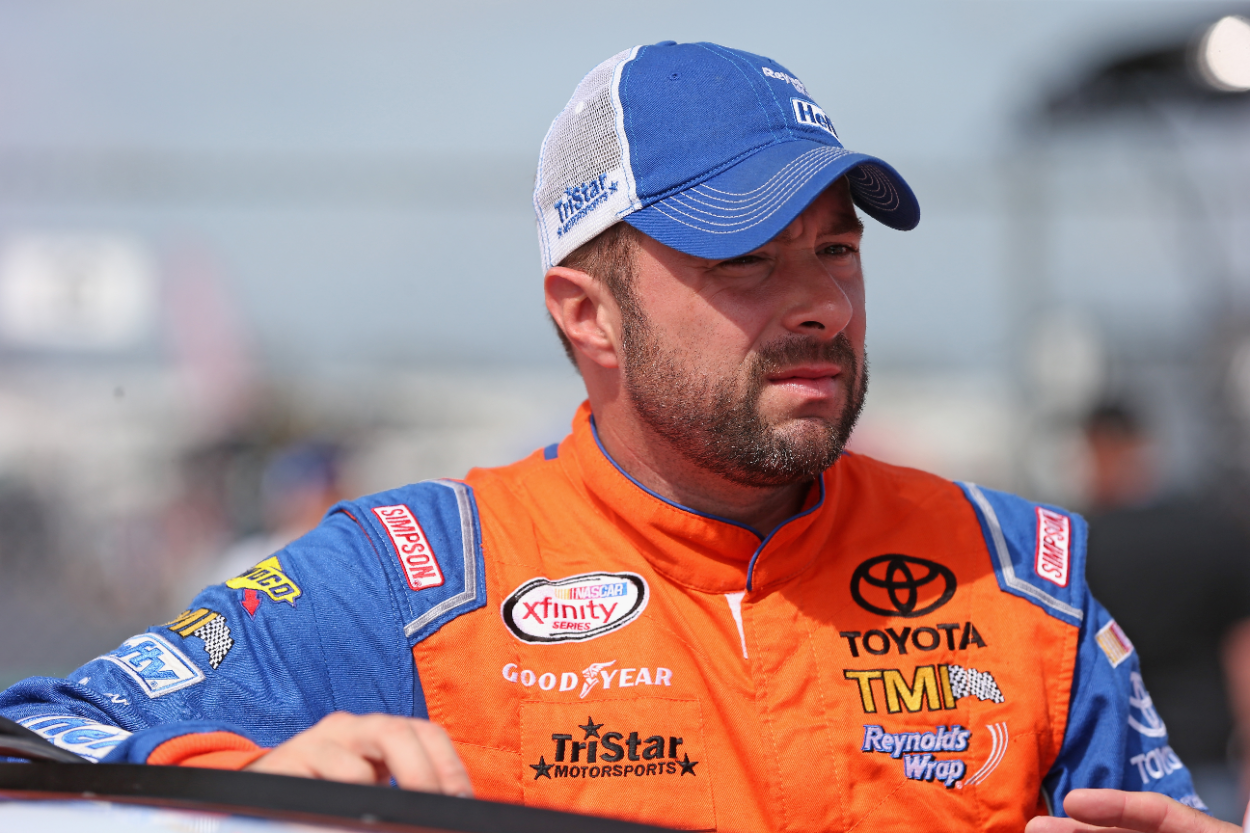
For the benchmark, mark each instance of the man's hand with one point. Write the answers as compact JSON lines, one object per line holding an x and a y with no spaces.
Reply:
{"x":371,"y":749}
{"x":1113,"y":811}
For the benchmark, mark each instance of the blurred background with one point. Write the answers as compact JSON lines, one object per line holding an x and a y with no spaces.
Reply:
{"x":256,"y":256}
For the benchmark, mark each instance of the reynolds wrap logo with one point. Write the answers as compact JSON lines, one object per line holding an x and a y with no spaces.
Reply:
{"x":574,"y":609}
{"x":917,"y":748}
{"x":580,"y":200}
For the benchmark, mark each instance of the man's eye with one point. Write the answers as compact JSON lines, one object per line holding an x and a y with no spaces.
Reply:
{"x":745,"y":260}
{"x":839,"y":249}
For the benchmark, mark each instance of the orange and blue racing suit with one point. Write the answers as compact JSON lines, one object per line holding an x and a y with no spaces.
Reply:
{"x":904,"y":653}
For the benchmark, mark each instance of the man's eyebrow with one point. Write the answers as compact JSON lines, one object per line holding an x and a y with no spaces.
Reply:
{"x":845,"y":223}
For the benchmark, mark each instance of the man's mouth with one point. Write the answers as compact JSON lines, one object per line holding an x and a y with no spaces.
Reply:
{"x":817,"y":380}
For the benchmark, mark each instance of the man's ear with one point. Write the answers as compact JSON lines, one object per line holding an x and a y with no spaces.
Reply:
{"x":585,"y":311}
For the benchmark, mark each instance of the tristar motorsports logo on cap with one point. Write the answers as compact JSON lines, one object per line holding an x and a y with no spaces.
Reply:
{"x":574,"y":609}
{"x":580,"y":200}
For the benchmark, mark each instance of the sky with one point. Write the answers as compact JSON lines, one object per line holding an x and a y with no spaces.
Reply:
{"x":359,"y":172}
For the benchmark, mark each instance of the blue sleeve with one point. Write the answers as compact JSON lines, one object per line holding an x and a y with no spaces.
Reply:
{"x":1114,"y":737}
{"x":323,"y":625}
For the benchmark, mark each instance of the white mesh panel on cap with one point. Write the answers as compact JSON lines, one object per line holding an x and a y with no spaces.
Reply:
{"x":583,"y":185}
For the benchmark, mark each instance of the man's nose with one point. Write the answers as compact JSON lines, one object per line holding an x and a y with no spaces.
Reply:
{"x":816,"y":303}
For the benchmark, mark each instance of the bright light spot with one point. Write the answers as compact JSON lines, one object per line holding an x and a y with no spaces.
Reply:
{"x":1224,"y":55}
{"x":75,"y":292}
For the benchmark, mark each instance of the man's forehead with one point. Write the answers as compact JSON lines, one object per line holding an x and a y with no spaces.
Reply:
{"x":833,"y":210}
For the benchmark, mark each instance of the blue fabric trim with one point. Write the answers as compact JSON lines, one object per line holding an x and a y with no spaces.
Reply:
{"x":755,"y":556}
{"x":1009,"y":526}
{"x":447,"y":513}
{"x":419,"y":708}
{"x":551,"y":452}
{"x":1101,"y":747}
{"x":764,"y":539}
{"x":595,"y":432}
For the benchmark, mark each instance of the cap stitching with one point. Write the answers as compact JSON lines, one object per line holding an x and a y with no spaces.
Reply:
{"x":795,"y":184}
{"x":784,"y":121}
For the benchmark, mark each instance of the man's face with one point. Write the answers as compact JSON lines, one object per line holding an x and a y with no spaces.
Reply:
{"x":753,"y":367}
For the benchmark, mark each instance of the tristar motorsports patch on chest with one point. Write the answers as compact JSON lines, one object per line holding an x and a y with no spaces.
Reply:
{"x":574,"y":609}
{"x":611,"y":754}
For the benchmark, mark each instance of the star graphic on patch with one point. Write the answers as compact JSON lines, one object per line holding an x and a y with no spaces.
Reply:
{"x":686,"y":765}
{"x":541,"y":768}
{"x":591,"y":728}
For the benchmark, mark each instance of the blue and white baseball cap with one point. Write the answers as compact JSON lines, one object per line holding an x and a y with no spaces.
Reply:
{"x":710,"y":150}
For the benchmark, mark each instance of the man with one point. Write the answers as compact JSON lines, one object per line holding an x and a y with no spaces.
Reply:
{"x":694,"y":611}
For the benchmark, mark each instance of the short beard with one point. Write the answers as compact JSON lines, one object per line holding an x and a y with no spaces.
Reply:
{"x":717,"y":425}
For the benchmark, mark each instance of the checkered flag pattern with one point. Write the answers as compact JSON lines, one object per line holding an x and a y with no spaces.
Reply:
{"x":971,"y":682}
{"x":217,"y":640}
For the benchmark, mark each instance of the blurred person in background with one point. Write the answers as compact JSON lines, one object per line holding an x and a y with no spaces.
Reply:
{"x":1174,"y":569}
{"x":299,"y":484}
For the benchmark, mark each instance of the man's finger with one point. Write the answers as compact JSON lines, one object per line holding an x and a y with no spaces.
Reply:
{"x":1054,"y":824}
{"x":405,"y":755}
{"x":453,"y":778}
{"x":334,"y":762}
{"x":1143,"y":812}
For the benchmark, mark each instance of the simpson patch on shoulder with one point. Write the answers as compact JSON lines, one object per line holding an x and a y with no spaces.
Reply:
{"x":155,"y":665}
{"x":1054,"y":536}
{"x":416,"y":555}
{"x":574,"y":609}
{"x":1114,"y":643}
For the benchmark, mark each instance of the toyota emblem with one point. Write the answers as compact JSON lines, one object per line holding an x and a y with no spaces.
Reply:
{"x":900,"y":581}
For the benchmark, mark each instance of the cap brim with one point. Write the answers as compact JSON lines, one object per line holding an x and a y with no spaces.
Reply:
{"x":742,"y":208}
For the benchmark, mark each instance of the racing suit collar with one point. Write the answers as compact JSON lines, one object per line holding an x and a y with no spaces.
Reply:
{"x":697,"y":550}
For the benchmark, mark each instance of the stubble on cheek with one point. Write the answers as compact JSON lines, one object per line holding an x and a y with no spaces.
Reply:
{"x":716,"y":423}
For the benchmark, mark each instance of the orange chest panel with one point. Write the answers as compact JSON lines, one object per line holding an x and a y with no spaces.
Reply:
{"x":872,"y":676}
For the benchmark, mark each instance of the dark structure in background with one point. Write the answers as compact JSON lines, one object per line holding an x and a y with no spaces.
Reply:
{"x":1173,"y":564}
{"x":1174,"y":569}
